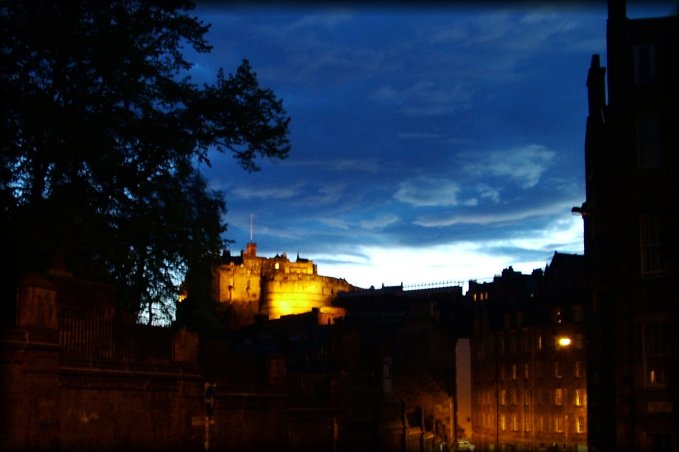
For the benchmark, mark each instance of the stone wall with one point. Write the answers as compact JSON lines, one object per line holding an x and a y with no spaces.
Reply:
{"x":74,"y":378}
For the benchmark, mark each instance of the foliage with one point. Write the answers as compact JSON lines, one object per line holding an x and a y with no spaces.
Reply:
{"x":102,"y":136}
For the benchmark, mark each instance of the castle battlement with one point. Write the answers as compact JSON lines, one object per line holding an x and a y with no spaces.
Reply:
{"x":252,"y":286}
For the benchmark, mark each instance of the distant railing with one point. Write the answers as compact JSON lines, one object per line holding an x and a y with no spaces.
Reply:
{"x":89,"y":335}
{"x":456,"y":285}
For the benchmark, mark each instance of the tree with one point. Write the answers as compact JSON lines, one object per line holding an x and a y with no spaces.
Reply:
{"x":102,"y":136}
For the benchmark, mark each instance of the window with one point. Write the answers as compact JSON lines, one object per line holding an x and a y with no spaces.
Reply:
{"x":503,"y":422}
{"x":526,"y":397}
{"x":644,"y":63}
{"x":660,"y":441}
{"x":538,"y":369}
{"x":579,"y":369}
{"x":539,"y":342}
{"x":649,"y":151}
{"x":525,"y":371}
{"x":526,"y":423}
{"x":577,"y":313}
{"x":558,"y":396}
{"x":515,"y":397}
{"x":580,"y":424}
{"x":503,"y":397}
{"x":578,"y":341}
{"x":558,"y":424}
{"x":515,"y":423}
{"x":656,"y":353}
{"x":558,"y":371}
{"x":579,"y":397}
{"x":513,"y":371}
{"x":651,"y":243}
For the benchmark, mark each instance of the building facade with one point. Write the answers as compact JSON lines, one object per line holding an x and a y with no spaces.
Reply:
{"x":631,"y":246}
{"x":529,"y":359}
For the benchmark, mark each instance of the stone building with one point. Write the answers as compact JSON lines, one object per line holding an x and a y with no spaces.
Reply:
{"x":395,"y":350}
{"x":251,"y":286}
{"x":630,"y":218}
{"x":528,"y":359}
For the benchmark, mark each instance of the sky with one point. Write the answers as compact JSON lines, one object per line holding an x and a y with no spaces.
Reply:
{"x":429,"y":144}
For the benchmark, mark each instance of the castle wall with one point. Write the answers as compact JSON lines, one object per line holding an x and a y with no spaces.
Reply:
{"x":286,"y":294}
{"x":274,"y":287}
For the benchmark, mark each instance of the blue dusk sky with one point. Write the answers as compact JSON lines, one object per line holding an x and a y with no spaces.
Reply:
{"x":431,"y":143}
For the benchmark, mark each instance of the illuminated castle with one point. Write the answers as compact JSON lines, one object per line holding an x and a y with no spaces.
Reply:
{"x":250,"y":286}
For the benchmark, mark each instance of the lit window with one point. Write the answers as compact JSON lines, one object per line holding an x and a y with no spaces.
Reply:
{"x":503,"y":397}
{"x":526,"y":423}
{"x":515,"y":423}
{"x":558,"y":396}
{"x":579,"y":397}
{"x":539,"y":342}
{"x":651,"y":243}
{"x":656,"y":353}
{"x":558,"y":424}
{"x":581,"y":424}
{"x":503,"y":423}
{"x":649,"y":150}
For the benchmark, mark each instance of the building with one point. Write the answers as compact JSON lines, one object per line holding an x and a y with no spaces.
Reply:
{"x":397,"y":382}
{"x":250,"y":286}
{"x":528,"y":359}
{"x":630,"y":218}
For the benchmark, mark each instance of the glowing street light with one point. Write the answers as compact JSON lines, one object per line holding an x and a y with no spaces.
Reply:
{"x":564,"y":341}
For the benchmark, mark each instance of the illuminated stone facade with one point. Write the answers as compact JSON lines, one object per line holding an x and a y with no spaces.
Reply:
{"x":529,"y":385}
{"x":253,"y":286}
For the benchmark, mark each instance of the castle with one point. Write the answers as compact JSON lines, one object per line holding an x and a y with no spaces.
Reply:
{"x":250,"y":286}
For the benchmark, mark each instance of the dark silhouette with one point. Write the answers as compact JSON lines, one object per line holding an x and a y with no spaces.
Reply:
{"x":101,"y":132}
{"x":631,"y":246}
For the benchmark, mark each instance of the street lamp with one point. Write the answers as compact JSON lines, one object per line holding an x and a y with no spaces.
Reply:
{"x":564,"y":341}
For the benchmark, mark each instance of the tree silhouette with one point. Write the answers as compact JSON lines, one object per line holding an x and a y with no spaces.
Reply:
{"x":102,"y":136}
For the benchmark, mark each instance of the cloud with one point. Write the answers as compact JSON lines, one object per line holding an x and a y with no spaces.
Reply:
{"x":523,"y":165}
{"x":336,"y":223}
{"x":367,"y":165}
{"x":380,"y":222}
{"x":282,"y":192}
{"x":424,"y":191}
{"x":488,"y":218}
{"x":426,"y":97}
